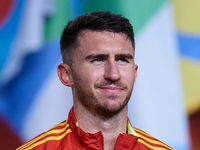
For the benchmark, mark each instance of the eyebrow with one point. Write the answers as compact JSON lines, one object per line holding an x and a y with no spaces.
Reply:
{"x":93,"y":56}
{"x":97,"y":56}
{"x":128,"y":56}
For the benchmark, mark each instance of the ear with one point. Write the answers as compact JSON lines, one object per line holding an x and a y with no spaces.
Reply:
{"x":136,"y":74}
{"x":64,"y":74}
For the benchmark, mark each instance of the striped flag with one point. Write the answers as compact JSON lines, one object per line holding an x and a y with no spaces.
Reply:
{"x":29,"y":43}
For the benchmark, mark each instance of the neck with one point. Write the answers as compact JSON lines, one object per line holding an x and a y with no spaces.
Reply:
{"x":110,"y":127}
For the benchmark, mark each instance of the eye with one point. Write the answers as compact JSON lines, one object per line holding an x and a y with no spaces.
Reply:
{"x":124,"y":60}
{"x":98,"y":60}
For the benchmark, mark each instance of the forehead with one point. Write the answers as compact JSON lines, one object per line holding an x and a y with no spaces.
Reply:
{"x":104,"y":40}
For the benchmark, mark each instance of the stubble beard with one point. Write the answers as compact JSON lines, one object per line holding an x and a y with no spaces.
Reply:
{"x":92,"y":103}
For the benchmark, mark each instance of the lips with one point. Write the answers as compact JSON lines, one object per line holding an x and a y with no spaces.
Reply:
{"x":111,"y":89}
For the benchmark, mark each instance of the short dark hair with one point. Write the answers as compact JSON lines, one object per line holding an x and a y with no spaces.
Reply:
{"x":94,"y":21}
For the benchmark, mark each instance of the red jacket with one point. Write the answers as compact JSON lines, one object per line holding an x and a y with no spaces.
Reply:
{"x":68,"y":136}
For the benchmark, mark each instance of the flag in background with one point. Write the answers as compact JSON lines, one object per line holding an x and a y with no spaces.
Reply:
{"x":187,"y":16}
{"x":32,"y":99}
{"x":29,"y":37}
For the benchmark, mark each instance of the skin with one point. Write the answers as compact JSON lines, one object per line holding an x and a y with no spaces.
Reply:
{"x":102,"y":79}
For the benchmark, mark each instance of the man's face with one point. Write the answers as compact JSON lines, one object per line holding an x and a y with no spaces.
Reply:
{"x":103,"y":71}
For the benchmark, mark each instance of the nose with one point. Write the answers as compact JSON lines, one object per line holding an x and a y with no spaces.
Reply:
{"x":112,"y":71}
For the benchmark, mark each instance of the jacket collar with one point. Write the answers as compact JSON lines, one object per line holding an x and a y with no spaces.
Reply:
{"x":95,"y":141}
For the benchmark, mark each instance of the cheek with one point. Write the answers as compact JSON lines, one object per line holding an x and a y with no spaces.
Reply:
{"x":128,"y":77}
{"x":91,"y":75}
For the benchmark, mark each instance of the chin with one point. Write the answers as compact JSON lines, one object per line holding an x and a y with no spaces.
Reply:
{"x":108,"y":110}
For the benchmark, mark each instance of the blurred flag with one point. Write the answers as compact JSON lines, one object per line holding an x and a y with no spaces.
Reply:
{"x":188,"y":38}
{"x":32,"y":99}
{"x":29,"y":46}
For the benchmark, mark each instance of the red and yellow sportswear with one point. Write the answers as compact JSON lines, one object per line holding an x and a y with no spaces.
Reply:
{"x":68,"y":136}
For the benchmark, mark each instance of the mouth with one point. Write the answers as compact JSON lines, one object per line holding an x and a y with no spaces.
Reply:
{"x":111,"y":89}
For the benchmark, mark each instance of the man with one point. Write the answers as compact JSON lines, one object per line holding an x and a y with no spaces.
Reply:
{"x":98,"y":64}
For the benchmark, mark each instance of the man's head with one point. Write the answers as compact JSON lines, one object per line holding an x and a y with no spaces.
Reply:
{"x":98,"y":53}
{"x":95,"y":21}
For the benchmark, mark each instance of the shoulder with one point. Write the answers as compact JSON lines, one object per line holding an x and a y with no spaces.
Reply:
{"x":150,"y":142}
{"x":52,"y":137}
